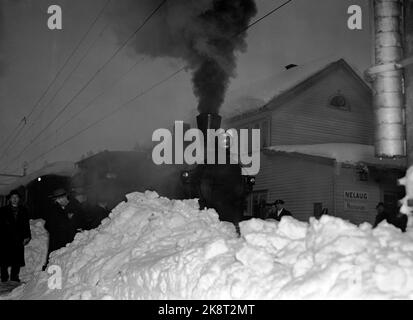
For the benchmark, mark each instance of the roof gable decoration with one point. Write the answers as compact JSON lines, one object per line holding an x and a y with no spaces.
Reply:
{"x":339,"y":101}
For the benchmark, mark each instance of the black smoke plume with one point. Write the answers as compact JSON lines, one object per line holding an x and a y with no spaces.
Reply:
{"x":206,"y":34}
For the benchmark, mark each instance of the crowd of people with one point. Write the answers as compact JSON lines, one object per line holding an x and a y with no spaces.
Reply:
{"x":395,"y":218}
{"x":277,"y":211}
{"x":66,"y":217}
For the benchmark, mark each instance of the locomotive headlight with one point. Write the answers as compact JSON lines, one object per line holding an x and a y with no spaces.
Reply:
{"x":227,"y":139}
{"x":111,"y":175}
{"x":185,"y":176}
{"x":249,"y":183}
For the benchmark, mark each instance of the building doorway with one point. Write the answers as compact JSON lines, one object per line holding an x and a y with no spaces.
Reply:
{"x":256,"y":204}
{"x":391,"y":200}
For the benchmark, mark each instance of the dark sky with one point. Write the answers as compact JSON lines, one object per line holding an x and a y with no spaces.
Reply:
{"x":31,"y":54}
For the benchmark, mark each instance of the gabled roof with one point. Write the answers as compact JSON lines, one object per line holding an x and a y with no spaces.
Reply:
{"x":257,"y":96}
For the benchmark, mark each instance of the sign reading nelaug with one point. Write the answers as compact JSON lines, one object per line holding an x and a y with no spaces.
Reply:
{"x":233,"y":148}
{"x":354,"y":195}
{"x":356,"y":200}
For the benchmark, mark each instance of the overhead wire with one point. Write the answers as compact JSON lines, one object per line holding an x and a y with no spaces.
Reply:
{"x":59,"y":72}
{"x":100,"y":69}
{"x":169,"y":77}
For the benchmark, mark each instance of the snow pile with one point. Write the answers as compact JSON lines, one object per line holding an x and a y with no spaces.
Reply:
{"x":330,"y":259}
{"x":155,"y":248}
{"x":407,"y":182}
{"x":35,"y":252}
{"x":122,"y":257}
{"x":341,"y":152}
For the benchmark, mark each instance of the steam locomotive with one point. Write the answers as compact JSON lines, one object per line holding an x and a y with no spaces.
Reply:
{"x":218,"y":186}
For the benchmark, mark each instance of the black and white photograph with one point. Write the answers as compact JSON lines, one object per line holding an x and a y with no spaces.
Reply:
{"x":233,"y":151}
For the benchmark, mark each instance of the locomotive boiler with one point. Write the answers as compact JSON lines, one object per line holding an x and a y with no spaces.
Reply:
{"x":218,"y":186}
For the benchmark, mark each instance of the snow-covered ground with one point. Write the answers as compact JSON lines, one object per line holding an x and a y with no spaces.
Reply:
{"x":35,"y":252}
{"x":35,"y":255}
{"x":156,"y":248}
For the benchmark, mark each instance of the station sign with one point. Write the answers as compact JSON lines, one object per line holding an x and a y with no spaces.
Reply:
{"x":356,"y":201}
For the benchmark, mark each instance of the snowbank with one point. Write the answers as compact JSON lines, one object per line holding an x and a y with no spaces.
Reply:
{"x":341,"y":152}
{"x":35,"y":252}
{"x":155,"y":248}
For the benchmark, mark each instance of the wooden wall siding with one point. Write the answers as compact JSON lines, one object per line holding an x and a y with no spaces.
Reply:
{"x":246,"y":122}
{"x":347,"y":180}
{"x":300,"y":183}
{"x":307,"y":119}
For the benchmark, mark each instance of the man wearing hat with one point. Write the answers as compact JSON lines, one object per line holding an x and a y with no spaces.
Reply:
{"x":64,"y":220}
{"x":397,"y":219}
{"x":277,"y":211}
{"x":14,"y":235}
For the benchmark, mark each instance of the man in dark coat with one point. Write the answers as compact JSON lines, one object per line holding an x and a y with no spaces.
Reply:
{"x":397,"y":219}
{"x":14,"y":235}
{"x":277,"y":211}
{"x":64,"y":220}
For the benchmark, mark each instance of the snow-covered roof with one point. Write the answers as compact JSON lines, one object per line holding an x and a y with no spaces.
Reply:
{"x":258,"y":93}
{"x":61,"y":168}
{"x":341,"y":152}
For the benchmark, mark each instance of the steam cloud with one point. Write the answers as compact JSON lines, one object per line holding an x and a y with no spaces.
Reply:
{"x":204,"y":33}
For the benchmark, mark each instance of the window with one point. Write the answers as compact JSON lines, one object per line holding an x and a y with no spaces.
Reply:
{"x":339,"y":101}
{"x":391,"y":201}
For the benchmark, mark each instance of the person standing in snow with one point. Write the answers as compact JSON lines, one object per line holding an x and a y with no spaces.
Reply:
{"x":65,"y":219}
{"x":277,"y":211}
{"x":14,"y":236}
{"x":397,"y":219}
{"x":98,"y":212}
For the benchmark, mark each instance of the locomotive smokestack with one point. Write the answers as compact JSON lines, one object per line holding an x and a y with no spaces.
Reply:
{"x":207,"y":121}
